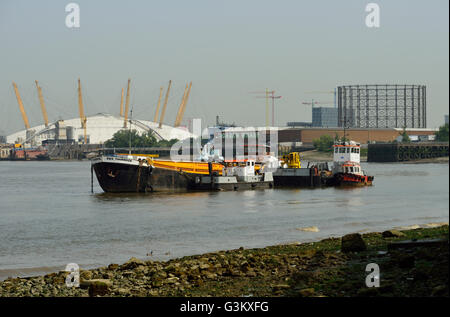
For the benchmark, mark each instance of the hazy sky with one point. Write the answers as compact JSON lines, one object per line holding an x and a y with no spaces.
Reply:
{"x":226,"y":48}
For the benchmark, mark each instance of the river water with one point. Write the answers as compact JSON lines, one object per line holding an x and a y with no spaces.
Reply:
{"x":48,"y":216}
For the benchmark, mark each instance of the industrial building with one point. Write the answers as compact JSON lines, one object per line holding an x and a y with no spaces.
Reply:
{"x":324,"y":117}
{"x":360,"y":135}
{"x":382,"y":106}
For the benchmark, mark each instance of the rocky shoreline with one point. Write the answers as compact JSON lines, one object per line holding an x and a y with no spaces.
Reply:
{"x":331,"y":267}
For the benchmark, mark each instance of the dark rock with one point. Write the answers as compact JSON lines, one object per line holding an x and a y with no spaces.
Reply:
{"x":367,"y":292}
{"x":353,"y":243}
{"x":440,"y":291}
{"x":132,"y":263}
{"x":113,"y":267}
{"x":307,"y":292}
{"x":392,"y":234}
{"x":99,"y":287}
{"x":403,"y":260}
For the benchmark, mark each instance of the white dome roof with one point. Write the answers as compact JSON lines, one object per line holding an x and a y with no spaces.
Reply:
{"x":101,"y":127}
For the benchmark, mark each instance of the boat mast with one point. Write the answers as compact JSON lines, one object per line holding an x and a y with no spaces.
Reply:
{"x":129,"y":133}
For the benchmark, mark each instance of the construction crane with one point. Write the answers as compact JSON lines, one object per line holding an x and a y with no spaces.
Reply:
{"x":325,"y":92}
{"x":81,"y":109}
{"x":273,"y":97}
{"x":41,"y":100}
{"x":268,"y":95}
{"x":161,"y":120}
{"x":183,"y":106}
{"x":21,"y":108}
{"x":127,"y":104}
{"x":155,"y":119}
{"x":121,"y":104}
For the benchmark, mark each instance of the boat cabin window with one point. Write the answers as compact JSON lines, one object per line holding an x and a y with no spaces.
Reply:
{"x":357,"y":150}
{"x":336,"y":150}
{"x":341,"y":150}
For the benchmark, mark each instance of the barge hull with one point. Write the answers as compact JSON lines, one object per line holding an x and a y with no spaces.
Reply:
{"x":121,"y":178}
{"x":296,"y":177}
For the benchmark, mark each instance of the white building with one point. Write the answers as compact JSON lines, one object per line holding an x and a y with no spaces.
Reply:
{"x":99,"y":128}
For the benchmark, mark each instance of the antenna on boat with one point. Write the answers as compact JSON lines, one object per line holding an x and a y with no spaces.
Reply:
{"x":345,"y":122}
{"x":129,"y":133}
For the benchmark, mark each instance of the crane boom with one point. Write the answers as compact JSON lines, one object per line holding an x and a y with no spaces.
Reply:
{"x":165,"y":105}
{"x":155,"y":119}
{"x":127,"y":104}
{"x":81,"y":109}
{"x":184,"y":104}
{"x":41,"y":100}
{"x":121,"y":104}
{"x":181,"y":107}
{"x":21,"y":108}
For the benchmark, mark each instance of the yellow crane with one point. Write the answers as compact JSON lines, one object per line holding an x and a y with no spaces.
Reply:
{"x":183,"y":107}
{"x":155,"y":119}
{"x":81,"y":109}
{"x":127,"y":104}
{"x":165,"y":105}
{"x":41,"y":100}
{"x":121,"y":104}
{"x":22,"y":110}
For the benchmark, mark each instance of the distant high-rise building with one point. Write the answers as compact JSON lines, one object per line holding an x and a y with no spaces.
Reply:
{"x":324,"y":117}
{"x":446,"y":119}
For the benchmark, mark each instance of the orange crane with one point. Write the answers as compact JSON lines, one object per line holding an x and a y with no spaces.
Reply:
{"x":21,"y":108}
{"x":165,"y":105}
{"x":127,"y":104}
{"x":81,"y":109}
{"x":41,"y":100}
{"x":121,"y":104}
{"x":155,"y":119}
{"x":183,"y":105}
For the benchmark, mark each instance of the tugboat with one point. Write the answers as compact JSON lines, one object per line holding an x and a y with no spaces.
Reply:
{"x":346,"y":168}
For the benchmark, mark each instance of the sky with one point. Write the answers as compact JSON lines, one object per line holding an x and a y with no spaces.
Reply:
{"x":228,"y":49}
